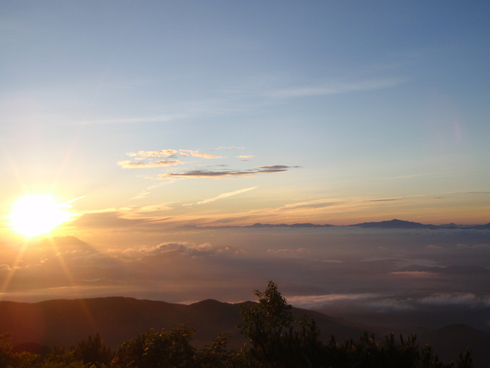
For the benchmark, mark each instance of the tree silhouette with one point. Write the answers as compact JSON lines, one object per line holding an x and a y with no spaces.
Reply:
{"x":93,"y":350}
{"x":276,"y":337}
{"x":158,"y":349}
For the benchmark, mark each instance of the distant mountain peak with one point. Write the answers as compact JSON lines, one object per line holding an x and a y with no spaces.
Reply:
{"x":395,"y":224}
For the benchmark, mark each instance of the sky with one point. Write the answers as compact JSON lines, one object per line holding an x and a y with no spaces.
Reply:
{"x":143,"y":118}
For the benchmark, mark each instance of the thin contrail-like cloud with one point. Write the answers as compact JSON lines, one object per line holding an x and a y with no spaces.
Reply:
{"x":225,"y":195}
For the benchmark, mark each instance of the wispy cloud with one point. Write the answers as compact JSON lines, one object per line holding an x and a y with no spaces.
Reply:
{"x":150,"y":119}
{"x":147,"y":165}
{"x":312,"y":301}
{"x":409,"y":176}
{"x":141,"y":195}
{"x":224,"y":195}
{"x":336,"y":88}
{"x":245,"y":156}
{"x":310,"y":204}
{"x":158,"y":154}
{"x":386,"y":199}
{"x":451,"y":299}
{"x":228,"y":173}
{"x":163,"y":153}
{"x":198,"y":154}
{"x":169,"y":156}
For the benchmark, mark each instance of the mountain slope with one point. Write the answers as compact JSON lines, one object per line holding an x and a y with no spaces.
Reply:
{"x":450,"y":340}
{"x":118,"y":319}
{"x":395,"y":224}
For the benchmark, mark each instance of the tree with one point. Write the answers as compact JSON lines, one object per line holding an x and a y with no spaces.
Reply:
{"x":6,"y":354}
{"x":93,"y":350}
{"x":277,"y":338}
{"x":158,"y":349}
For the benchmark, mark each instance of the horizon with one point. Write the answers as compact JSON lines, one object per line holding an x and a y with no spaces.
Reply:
{"x":140,"y":143}
{"x":353,"y":224}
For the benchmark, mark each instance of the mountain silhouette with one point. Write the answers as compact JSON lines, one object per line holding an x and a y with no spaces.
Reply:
{"x":390,"y":224}
{"x":450,"y":340}
{"x":65,"y":323}
{"x":118,"y":319}
{"x":395,"y":224}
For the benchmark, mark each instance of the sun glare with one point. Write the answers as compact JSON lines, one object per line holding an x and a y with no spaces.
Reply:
{"x":34,"y":215}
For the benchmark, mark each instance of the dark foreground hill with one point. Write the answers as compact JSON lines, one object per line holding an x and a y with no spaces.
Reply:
{"x":65,"y":323}
{"x":448,"y":341}
{"x":118,"y":319}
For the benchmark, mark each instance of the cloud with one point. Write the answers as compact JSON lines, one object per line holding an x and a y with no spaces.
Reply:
{"x":158,"y":154}
{"x":146,"y":165}
{"x":206,"y":174}
{"x":227,"y":173}
{"x":433,"y":246}
{"x":418,"y":274}
{"x":4,"y":267}
{"x":451,"y":299}
{"x":152,"y":119}
{"x":189,"y":249}
{"x":198,"y":154}
{"x":141,"y":195}
{"x":310,"y":204}
{"x":184,"y":249}
{"x":275,"y":168}
{"x":169,"y":157}
{"x":394,"y":198}
{"x":376,"y":302}
{"x":154,"y":208}
{"x":224,"y":195}
{"x":170,"y":153}
{"x":385,"y":305}
{"x":315,"y":301}
{"x":335,"y":88}
{"x":279,"y":250}
{"x":109,"y":219}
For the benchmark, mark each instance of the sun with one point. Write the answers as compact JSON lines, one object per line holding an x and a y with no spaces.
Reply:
{"x":34,"y":215}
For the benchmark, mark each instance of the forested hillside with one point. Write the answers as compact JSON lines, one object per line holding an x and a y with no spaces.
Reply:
{"x":273,"y":335}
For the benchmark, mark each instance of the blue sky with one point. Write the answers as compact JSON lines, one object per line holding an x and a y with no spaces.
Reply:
{"x":372,"y":110}
{"x":143,"y":117}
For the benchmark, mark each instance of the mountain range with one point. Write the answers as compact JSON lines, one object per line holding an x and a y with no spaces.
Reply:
{"x":391,"y":224}
{"x":65,"y":323}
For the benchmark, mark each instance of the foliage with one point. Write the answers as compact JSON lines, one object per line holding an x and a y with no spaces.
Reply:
{"x":157,"y":349}
{"x":277,"y":339}
{"x":93,"y":350}
{"x":6,"y":354}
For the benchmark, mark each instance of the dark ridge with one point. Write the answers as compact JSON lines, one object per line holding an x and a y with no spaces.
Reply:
{"x":450,"y":340}
{"x":391,"y":224}
{"x":65,"y":323}
{"x":395,"y":224}
{"x":307,"y":224}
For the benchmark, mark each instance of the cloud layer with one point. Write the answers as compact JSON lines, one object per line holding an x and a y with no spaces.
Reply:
{"x":271,"y":169}
{"x":170,"y":157}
